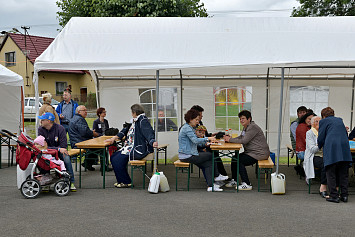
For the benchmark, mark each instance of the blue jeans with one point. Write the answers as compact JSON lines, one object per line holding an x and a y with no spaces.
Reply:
{"x":300,"y":155}
{"x":119,"y":164}
{"x":68,"y":166}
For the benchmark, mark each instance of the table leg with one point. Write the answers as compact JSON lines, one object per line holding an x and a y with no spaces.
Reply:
{"x":212,"y":171}
{"x":237,"y":155}
{"x":80,"y":169}
{"x":0,"y":150}
{"x":166,"y":151}
{"x":103,"y":169}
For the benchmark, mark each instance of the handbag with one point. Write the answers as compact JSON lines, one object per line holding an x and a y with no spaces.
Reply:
{"x":111,"y":132}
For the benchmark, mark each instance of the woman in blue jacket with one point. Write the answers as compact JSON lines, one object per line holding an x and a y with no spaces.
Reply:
{"x":188,"y":152}
{"x":333,"y":137}
{"x":140,"y":140}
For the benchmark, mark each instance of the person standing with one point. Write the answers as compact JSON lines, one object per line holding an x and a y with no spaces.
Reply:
{"x":66,"y":109}
{"x":47,"y":107}
{"x":56,"y":138}
{"x":333,"y":138}
{"x":255,"y":148}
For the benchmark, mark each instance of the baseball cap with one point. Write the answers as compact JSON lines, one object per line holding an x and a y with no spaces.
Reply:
{"x":47,"y":115}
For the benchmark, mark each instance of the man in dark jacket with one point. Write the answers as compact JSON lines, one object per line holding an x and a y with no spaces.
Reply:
{"x":56,"y":138}
{"x":333,"y":138}
{"x":66,"y":109}
{"x":79,"y":131}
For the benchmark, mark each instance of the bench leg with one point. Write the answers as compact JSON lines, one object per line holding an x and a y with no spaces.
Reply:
{"x":176,"y":183}
{"x":144,"y":171}
{"x":131,"y":176}
{"x":309,"y":186}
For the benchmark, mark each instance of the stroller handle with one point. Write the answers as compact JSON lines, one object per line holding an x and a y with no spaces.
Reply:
{"x":7,"y":133}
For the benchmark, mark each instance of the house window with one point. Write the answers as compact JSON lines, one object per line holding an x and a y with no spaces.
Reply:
{"x":59,"y":87}
{"x":228,"y":103}
{"x":10,"y":59}
{"x":313,"y":97}
{"x":167,"y":107}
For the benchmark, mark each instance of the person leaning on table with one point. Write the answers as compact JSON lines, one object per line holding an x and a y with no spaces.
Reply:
{"x":188,"y":152}
{"x":255,"y":148}
{"x":140,"y":141}
{"x":333,"y":137}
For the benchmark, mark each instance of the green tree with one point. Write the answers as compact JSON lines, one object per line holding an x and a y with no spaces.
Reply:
{"x":125,"y":8}
{"x":325,"y":8}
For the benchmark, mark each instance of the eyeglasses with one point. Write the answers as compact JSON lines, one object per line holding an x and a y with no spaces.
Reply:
{"x":83,"y":110}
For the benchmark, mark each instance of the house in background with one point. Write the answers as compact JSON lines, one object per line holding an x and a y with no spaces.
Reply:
{"x":13,"y":51}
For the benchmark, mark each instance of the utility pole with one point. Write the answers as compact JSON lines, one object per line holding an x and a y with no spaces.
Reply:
{"x":25,"y":28}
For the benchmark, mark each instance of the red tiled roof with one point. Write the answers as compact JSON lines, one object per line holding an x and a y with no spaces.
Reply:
{"x":35,"y":46}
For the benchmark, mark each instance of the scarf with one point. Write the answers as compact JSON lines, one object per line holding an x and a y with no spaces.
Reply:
{"x":314,"y":131}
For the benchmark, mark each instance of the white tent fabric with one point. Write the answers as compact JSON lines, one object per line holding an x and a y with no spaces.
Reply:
{"x":10,"y":96}
{"x":133,"y":49}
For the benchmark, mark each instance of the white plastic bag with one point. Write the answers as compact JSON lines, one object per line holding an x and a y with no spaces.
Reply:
{"x":164,"y":185}
{"x":278,"y":183}
{"x":154,"y":183}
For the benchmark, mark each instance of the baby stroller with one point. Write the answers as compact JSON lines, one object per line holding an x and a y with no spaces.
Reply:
{"x":29,"y":181}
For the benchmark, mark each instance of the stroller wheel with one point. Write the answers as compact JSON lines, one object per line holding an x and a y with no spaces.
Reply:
{"x":30,"y":188}
{"x":62,"y":188}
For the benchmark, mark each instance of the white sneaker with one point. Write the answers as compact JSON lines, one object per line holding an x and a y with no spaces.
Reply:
{"x":221,"y":178}
{"x":245,"y":186}
{"x":216,"y":188}
{"x":231,"y":184}
{"x":220,"y":183}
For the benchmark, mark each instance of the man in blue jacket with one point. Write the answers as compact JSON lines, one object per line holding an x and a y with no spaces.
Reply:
{"x":66,"y":109}
{"x":79,"y":131}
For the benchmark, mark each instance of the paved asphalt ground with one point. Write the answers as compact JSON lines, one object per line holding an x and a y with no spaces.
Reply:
{"x":93,"y":211}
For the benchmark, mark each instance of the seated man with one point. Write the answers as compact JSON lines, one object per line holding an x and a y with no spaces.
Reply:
{"x":255,"y":148}
{"x":56,"y":138}
{"x":79,"y":131}
{"x":165,"y":123}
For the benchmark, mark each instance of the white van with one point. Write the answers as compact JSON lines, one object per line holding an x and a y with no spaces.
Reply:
{"x":30,"y":112}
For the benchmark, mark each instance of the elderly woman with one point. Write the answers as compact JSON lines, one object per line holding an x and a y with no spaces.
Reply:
{"x":140,"y":140}
{"x":188,"y":152}
{"x":313,"y":157}
{"x":333,"y":138}
{"x":100,"y":124}
{"x":47,"y":107}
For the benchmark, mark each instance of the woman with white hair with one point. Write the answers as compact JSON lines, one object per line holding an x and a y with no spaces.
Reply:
{"x":47,"y":107}
{"x":313,"y":157}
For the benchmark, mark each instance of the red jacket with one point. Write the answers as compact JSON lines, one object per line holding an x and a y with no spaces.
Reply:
{"x":301,"y":131}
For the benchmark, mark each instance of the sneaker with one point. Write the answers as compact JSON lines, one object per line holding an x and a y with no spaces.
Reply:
{"x":245,"y":186}
{"x":231,"y":184}
{"x":221,"y":178}
{"x":72,"y":187}
{"x":216,"y":188}
{"x":220,"y":183}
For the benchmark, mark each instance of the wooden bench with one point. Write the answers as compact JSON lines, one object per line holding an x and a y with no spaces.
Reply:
{"x":182,"y":166}
{"x":140,"y":165}
{"x":265,"y":166}
{"x":73,"y":153}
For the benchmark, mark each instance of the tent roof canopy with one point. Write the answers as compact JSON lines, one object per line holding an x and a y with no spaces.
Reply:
{"x":135,"y":47}
{"x":9,"y":78}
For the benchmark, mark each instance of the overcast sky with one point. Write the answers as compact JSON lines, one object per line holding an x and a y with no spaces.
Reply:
{"x":41,"y":16}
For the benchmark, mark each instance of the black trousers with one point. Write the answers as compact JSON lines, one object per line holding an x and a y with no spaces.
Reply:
{"x":244,"y":160}
{"x":318,"y":163}
{"x":338,"y":173}
{"x":219,"y":164}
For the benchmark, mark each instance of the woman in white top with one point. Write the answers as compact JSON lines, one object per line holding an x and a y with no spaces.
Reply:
{"x":313,"y":157}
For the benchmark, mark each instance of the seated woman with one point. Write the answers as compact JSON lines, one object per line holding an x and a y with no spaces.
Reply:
{"x":188,"y":142}
{"x":100,"y":124}
{"x":139,"y":143}
{"x":313,"y":157}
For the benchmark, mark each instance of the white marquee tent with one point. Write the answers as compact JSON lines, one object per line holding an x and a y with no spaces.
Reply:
{"x":196,"y":55}
{"x":11,"y":88}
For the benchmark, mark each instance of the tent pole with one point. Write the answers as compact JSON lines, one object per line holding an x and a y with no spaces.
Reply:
{"x":181,"y":101}
{"x":352,"y":105}
{"x":267,"y":105}
{"x":97,"y":90}
{"x":22,"y":110}
{"x":280,"y":119}
{"x":156,"y":120}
